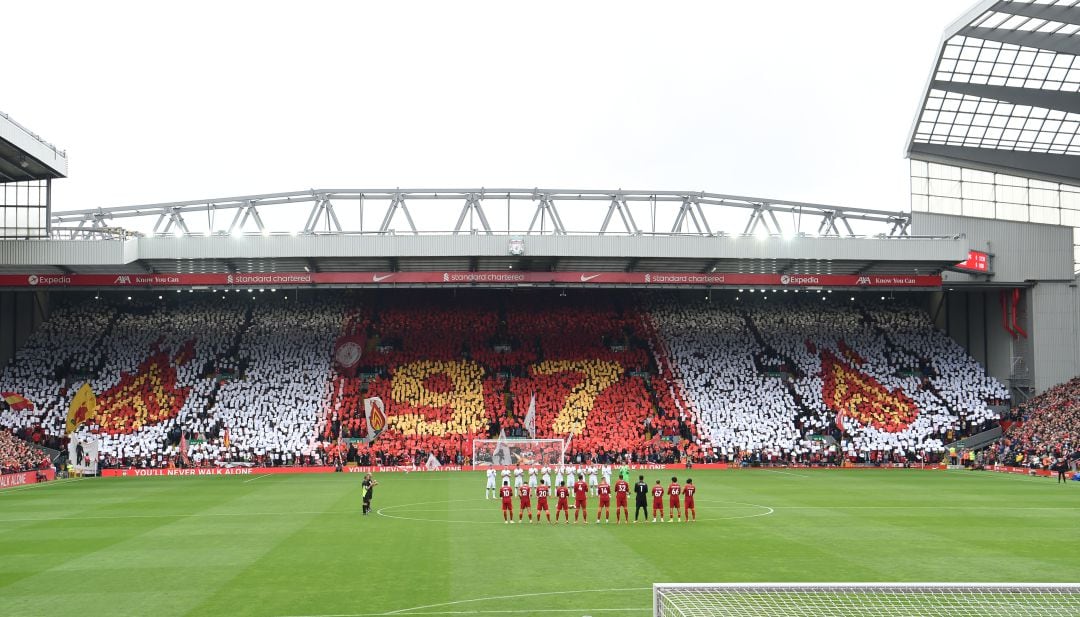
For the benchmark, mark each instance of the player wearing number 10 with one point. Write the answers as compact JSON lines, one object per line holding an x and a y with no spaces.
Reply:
{"x":507,"y":495}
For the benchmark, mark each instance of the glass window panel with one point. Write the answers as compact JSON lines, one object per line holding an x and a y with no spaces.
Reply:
{"x":1042,"y":197}
{"x":982,"y":209}
{"x":1040,"y":184}
{"x":945,"y":172}
{"x":1072,"y":219}
{"x":975,"y":175}
{"x":1044,"y":215}
{"x":1012,"y":212}
{"x":918,"y":168}
{"x":919,"y":185}
{"x":945,"y":188}
{"x":1011,"y":194}
{"x":920,"y":203}
{"x":1070,"y":199}
{"x":979,"y":190}
{"x":945,"y":205}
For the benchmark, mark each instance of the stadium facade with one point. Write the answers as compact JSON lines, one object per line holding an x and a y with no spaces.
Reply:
{"x":991,"y":242}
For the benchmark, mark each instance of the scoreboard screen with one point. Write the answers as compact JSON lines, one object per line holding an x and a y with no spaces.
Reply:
{"x":977,"y":261}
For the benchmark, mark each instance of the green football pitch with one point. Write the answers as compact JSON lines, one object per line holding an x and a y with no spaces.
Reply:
{"x":297,"y":545}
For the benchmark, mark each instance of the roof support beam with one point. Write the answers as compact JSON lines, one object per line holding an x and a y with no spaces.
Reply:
{"x":545,"y":209}
{"x":627,"y":217}
{"x":397,"y":202}
{"x":472,"y":207}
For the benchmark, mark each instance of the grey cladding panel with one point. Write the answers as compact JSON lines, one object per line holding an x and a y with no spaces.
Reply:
{"x":1022,"y":252}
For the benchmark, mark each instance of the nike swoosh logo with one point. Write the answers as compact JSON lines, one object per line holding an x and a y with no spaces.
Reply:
{"x":375,"y":278}
{"x":587,"y":278}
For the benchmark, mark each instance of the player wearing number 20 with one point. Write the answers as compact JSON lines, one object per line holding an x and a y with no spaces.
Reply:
{"x":542,"y":493}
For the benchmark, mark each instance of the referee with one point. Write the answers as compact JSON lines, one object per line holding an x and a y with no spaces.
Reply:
{"x":641,"y":492}
{"x":369,"y":485}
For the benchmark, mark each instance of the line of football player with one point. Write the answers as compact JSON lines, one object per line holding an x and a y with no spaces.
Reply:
{"x":680,"y":497}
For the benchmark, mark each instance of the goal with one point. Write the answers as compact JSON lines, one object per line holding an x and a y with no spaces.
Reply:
{"x":866,"y":600}
{"x":489,"y":452}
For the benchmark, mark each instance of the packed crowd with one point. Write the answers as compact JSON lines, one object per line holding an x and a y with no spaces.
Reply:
{"x":1046,"y":428}
{"x":230,"y":379}
{"x":755,"y":375}
{"x":17,"y":455}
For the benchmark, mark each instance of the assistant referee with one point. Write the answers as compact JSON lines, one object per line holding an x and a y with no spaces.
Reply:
{"x":641,"y":492}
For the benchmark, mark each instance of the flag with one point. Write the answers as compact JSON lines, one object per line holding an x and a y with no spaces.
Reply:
{"x":501,"y":455}
{"x":432,"y":463}
{"x":347,"y":353}
{"x":225,"y":441}
{"x":184,"y":448}
{"x":840,"y":420}
{"x":83,"y":408}
{"x":566,"y":448}
{"x":375,"y":415}
{"x":17,"y":402}
{"x":530,"y":417}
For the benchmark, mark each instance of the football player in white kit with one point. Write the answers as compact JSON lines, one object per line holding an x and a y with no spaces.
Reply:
{"x":505,"y":476}
{"x":605,"y":471}
{"x":491,"y":491}
{"x":558,"y":476}
{"x":593,"y":479}
{"x":545,"y":476}
{"x":532,"y":477}
{"x":519,"y":475}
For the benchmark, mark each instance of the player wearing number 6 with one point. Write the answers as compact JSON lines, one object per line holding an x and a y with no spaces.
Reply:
{"x":563,"y":494}
{"x":673,"y":500}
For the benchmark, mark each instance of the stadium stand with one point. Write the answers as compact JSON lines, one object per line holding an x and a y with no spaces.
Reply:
{"x":1044,"y":429}
{"x":252,"y":379}
{"x":768,"y":374}
{"x":17,"y":455}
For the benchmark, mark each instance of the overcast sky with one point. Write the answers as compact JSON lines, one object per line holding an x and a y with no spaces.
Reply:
{"x":808,"y":101}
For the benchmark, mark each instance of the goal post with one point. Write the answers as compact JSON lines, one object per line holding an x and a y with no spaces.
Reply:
{"x":495,"y":452}
{"x":866,"y":599}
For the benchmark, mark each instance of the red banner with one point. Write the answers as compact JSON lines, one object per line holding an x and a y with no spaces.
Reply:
{"x":977,"y":261}
{"x":257,"y":471}
{"x":347,"y":353}
{"x":499,"y":277}
{"x":12,"y":480}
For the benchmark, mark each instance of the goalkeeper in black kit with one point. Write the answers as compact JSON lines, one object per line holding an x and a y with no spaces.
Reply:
{"x":641,"y":496}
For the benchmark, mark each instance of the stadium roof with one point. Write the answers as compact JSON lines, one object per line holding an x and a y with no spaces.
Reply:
{"x":24,"y":156}
{"x":1005,"y":91}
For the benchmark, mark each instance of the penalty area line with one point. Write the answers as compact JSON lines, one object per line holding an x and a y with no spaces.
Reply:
{"x":256,"y":478}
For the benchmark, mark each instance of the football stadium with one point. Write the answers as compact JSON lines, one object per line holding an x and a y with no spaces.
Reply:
{"x":358,"y":402}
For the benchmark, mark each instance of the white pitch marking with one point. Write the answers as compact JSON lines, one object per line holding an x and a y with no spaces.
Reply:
{"x":787,"y":473}
{"x":256,"y":478}
{"x":411,"y":611}
{"x":193,"y":515}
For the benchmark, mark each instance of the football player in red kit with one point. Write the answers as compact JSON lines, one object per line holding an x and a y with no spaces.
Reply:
{"x":674,"y":490}
{"x":622,"y":490}
{"x":604,"y":491}
{"x":525,"y":499}
{"x":581,"y":493}
{"x":542,"y":492}
{"x":688,"y":500}
{"x":657,"y":501}
{"x":563,"y":494}
{"x":507,"y":495}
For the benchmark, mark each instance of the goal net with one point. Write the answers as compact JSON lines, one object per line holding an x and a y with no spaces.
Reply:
{"x":487,"y":452}
{"x":866,"y":600}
